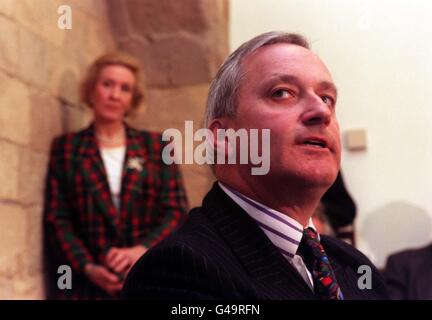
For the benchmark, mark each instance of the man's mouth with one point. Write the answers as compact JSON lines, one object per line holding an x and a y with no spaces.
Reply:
{"x":316,"y":142}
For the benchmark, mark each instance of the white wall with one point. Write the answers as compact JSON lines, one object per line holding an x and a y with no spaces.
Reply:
{"x":380,"y":55}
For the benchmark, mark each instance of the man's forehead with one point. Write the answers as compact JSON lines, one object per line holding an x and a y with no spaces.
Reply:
{"x":286,"y":58}
{"x":283,"y":52}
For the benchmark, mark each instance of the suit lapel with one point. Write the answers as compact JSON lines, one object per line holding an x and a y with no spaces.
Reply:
{"x":94,"y":174}
{"x":342,"y":278}
{"x":257,"y":254}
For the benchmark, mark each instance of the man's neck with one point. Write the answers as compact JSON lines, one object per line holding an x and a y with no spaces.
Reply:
{"x":297,"y":203}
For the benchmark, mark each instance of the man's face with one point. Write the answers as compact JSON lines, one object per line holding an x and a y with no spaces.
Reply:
{"x":289,"y":90}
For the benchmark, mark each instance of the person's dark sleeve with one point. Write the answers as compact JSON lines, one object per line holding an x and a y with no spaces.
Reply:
{"x":396,"y":278}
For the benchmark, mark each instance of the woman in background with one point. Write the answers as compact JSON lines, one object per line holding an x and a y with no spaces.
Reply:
{"x":109,"y":196}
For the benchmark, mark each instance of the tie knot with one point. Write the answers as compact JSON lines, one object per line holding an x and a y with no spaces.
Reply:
{"x":310,"y":245}
{"x":309,"y":233}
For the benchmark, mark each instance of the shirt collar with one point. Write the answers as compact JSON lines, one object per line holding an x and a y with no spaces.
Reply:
{"x":283,"y":231}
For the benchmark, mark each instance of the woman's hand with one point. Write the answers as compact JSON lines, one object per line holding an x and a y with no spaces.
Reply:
{"x":103,"y":278}
{"x":120,"y":260}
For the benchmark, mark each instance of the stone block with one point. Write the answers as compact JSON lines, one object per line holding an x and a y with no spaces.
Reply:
{"x":117,"y":12}
{"x":47,"y":120}
{"x":91,"y":30}
{"x":76,"y":40}
{"x":76,"y":118}
{"x":9,"y":165}
{"x":100,"y":41}
{"x":165,"y":107}
{"x":32,"y":172}
{"x":96,"y":9}
{"x":217,"y":35}
{"x":9,"y":46}
{"x":34,"y":232}
{"x":33,"y":57}
{"x":14,"y":110}
{"x":41,"y":18}
{"x":198,"y":181}
{"x":172,"y":60}
{"x":12,"y":251}
{"x":21,"y":274}
{"x":33,"y":285}
{"x":64,"y":75}
{"x":165,"y":16}
{"x":6,"y":7}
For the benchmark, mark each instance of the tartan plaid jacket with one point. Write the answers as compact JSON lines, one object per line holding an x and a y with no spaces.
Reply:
{"x":81,"y":221}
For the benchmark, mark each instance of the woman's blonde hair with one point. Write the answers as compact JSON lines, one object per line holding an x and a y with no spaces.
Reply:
{"x":113,"y":58}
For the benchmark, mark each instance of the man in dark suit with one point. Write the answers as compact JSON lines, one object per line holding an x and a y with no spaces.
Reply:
{"x":253,"y":238}
{"x":409,"y":274}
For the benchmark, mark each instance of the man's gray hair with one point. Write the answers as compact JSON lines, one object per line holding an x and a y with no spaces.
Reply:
{"x":222,"y":97}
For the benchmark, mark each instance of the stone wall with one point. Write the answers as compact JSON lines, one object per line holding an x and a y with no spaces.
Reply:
{"x":181,"y":44}
{"x":39,"y":68}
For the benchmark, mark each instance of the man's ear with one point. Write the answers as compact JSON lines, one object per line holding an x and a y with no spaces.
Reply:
{"x":221,"y":144}
{"x":216,"y":146}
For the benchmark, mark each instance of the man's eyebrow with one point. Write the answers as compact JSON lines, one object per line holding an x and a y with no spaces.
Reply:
{"x":276,"y":78}
{"x":323,"y":85}
{"x":285,"y":78}
{"x":326,"y":85}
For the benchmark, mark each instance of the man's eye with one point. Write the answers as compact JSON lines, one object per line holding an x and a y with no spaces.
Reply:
{"x":281,"y":93}
{"x":328,"y":100}
{"x":106,"y":83}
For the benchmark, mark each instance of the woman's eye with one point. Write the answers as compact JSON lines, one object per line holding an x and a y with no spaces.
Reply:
{"x":126,"y":88}
{"x":281,"y":93}
{"x":106,"y":83}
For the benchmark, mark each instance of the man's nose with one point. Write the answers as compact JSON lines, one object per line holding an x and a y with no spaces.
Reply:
{"x":317,"y":112}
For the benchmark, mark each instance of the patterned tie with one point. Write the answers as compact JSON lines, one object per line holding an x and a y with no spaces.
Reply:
{"x":316,"y":260}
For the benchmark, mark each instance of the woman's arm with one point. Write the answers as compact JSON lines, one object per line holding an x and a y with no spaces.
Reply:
{"x":59,"y":229}
{"x":172,"y":205}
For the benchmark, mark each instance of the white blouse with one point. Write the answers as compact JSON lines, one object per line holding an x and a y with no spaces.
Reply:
{"x":113,"y":159}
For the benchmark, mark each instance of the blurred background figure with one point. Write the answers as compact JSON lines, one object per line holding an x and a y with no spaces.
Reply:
{"x":337,"y":211}
{"x":320,"y":221}
{"x":109,"y":196}
{"x":409,"y":274}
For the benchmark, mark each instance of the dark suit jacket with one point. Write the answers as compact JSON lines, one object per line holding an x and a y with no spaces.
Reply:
{"x":81,"y":221}
{"x":409,"y":274}
{"x":221,"y":253}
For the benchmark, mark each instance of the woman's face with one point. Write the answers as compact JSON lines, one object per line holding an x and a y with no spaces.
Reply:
{"x":113,"y":92}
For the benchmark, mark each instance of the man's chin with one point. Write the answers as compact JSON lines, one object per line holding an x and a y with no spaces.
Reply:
{"x":313,"y":178}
